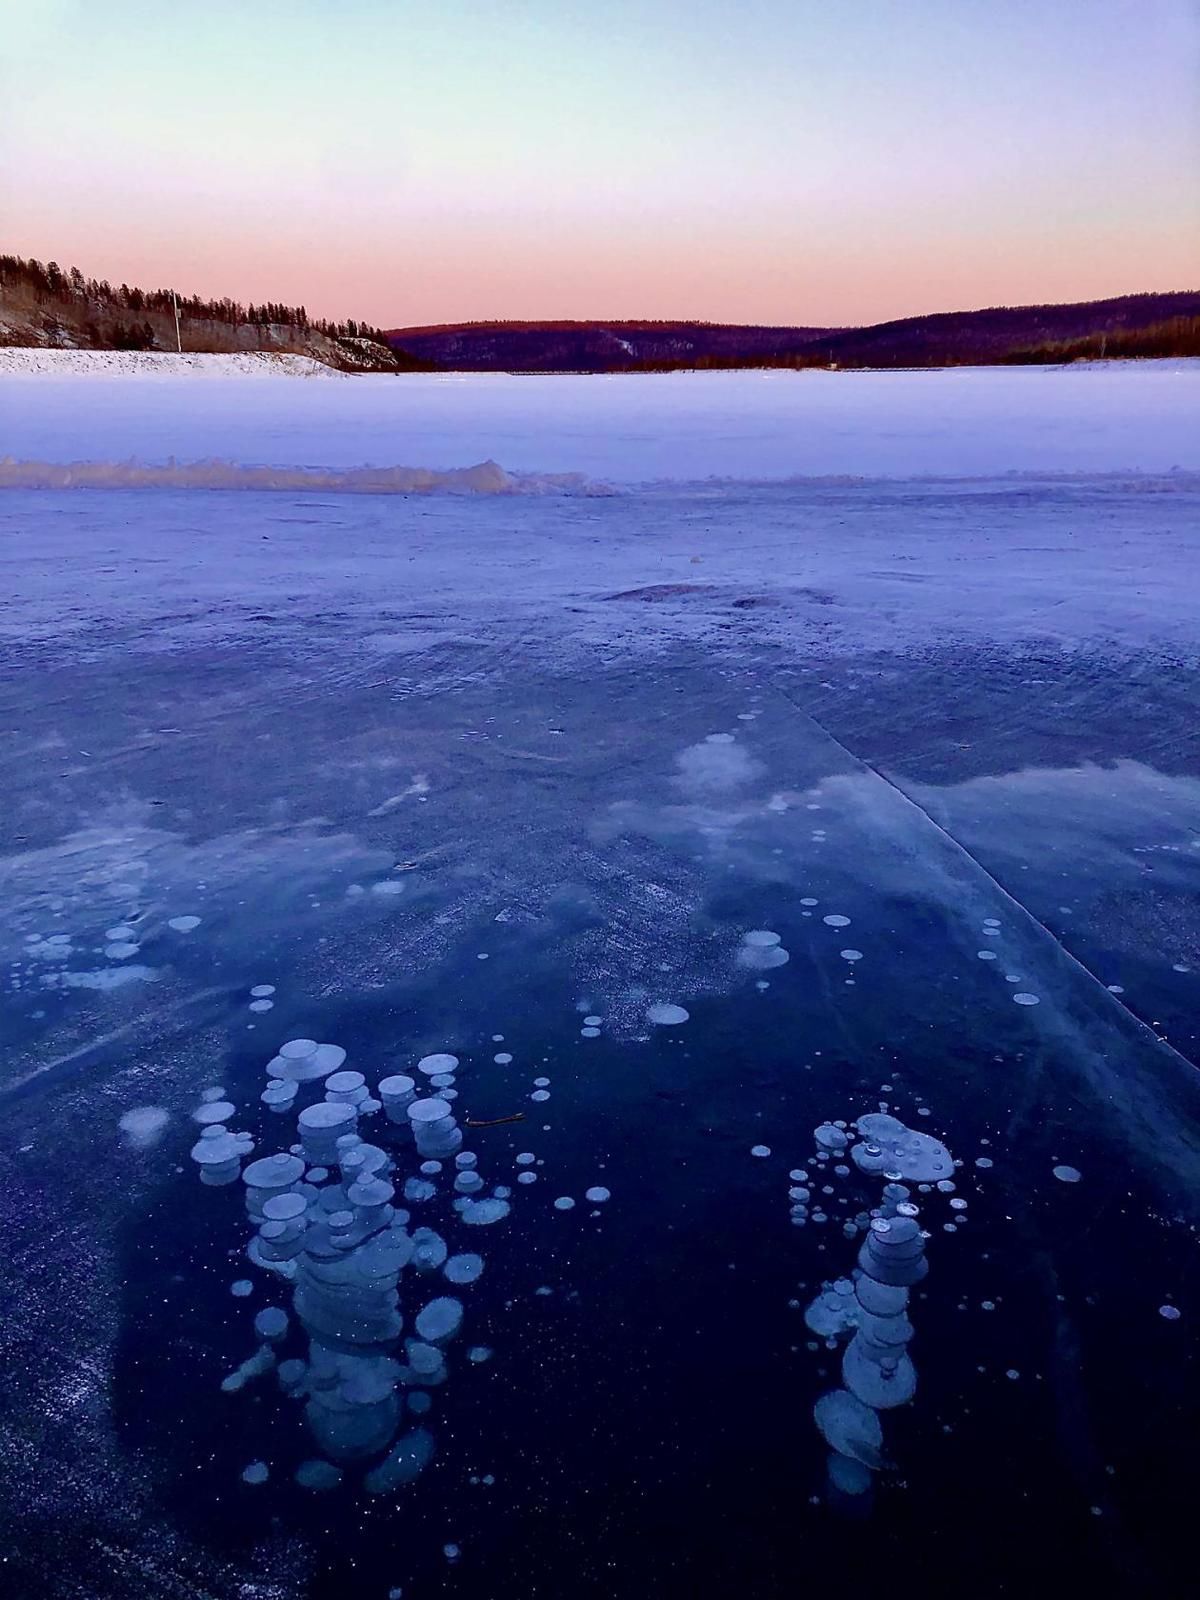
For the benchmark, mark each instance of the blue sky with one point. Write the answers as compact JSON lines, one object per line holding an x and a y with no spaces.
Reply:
{"x":767,"y":161}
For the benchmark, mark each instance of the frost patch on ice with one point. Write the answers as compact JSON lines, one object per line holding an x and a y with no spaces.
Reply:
{"x":715,"y":768}
{"x":144,"y":1126}
{"x":101,"y":978}
{"x":666,"y":1016}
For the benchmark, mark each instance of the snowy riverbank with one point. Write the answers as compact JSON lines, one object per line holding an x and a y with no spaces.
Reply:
{"x":26,"y":361}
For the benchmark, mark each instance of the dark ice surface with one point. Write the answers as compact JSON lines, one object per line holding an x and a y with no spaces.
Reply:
{"x":445,"y":770}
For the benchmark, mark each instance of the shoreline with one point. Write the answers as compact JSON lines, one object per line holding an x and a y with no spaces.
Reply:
{"x":43,"y":361}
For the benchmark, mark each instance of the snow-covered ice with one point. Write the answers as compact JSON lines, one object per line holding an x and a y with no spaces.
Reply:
{"x":623,"y":429}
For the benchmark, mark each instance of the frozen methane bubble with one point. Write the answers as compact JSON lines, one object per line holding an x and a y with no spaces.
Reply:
{"x":346,"y":1088}
{"x":850,"y":1427}
{"x":847,"y":1475}
{"x":271,"y":1323}
{"x":214,"y":1111}
{"x":269,"y":1176}
{"x":219,"y":1154}
{"x":280,"y":1095}
{"x":666,"y":1016}
{"x":257,"y":1472}
{"x":260,"y":991}
{"x":1026,"y":999}
{"x":439,"y":1320}
{"x":254,"y":1366}
{"x":835,"y":921}
{"x":480,"y":1213}
{"x":464,"y":1268}
{"x":564,"y":1203}
{"x":1068,"y":1174}
{"x":834,"y":1312}
{"x":183,"y":924}
{"x":760,"y":1150}
{"x":760,"y":950}
{"x":429,"y":1250}
{"x":830,"y":1138}
{"x":597,"y":1196}
{"x":306,"y":1060}
{"x":433,"y":1066}
{"x":879,"y":1376}
{"x":434,"y":1128}
{"x":889,"y":1146}
{"x":285,"y":1207}
{"x":397,"y":1093}
{"x":320,"y":1126}
{"x":411,"y":1455}
{"x":318,"y":1475}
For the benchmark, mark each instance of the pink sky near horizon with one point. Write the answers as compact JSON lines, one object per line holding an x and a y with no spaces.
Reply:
{"x":535,"y":164}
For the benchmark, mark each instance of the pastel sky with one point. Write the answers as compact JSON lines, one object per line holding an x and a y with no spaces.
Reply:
{"x":788,"y":161}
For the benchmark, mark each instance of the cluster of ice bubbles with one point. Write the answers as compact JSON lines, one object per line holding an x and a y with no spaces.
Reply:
{"x":869,"y":1308}
{"x":328,"y":1230}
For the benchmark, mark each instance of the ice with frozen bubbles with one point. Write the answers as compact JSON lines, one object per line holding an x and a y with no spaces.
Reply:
{"x":868,"y":1307}
{"x":358,"y":1334}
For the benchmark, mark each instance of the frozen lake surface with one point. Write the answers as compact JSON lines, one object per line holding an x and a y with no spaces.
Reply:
{"x":660,"y":836}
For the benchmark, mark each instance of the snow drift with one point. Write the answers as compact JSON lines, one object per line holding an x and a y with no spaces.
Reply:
{"x":487,"y":477}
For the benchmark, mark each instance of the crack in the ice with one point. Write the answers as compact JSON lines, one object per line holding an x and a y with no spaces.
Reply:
{"x":1001,"y":888}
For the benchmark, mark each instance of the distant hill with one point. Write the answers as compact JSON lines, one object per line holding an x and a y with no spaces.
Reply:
{"x":45,"y":306}
{"x":1004,"y":333}
{"x":953,"y":338}
{"x":597,"y":346}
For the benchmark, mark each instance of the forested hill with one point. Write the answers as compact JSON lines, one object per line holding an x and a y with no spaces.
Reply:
{"x":41,"y":304}
{"x":1140,"y":324}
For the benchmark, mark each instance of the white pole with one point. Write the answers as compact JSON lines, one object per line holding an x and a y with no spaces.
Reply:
{"x":178,"y":340}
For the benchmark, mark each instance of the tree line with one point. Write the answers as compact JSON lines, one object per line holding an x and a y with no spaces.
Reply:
{"x":1176,"y":336}
{"x":49,"y":284}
